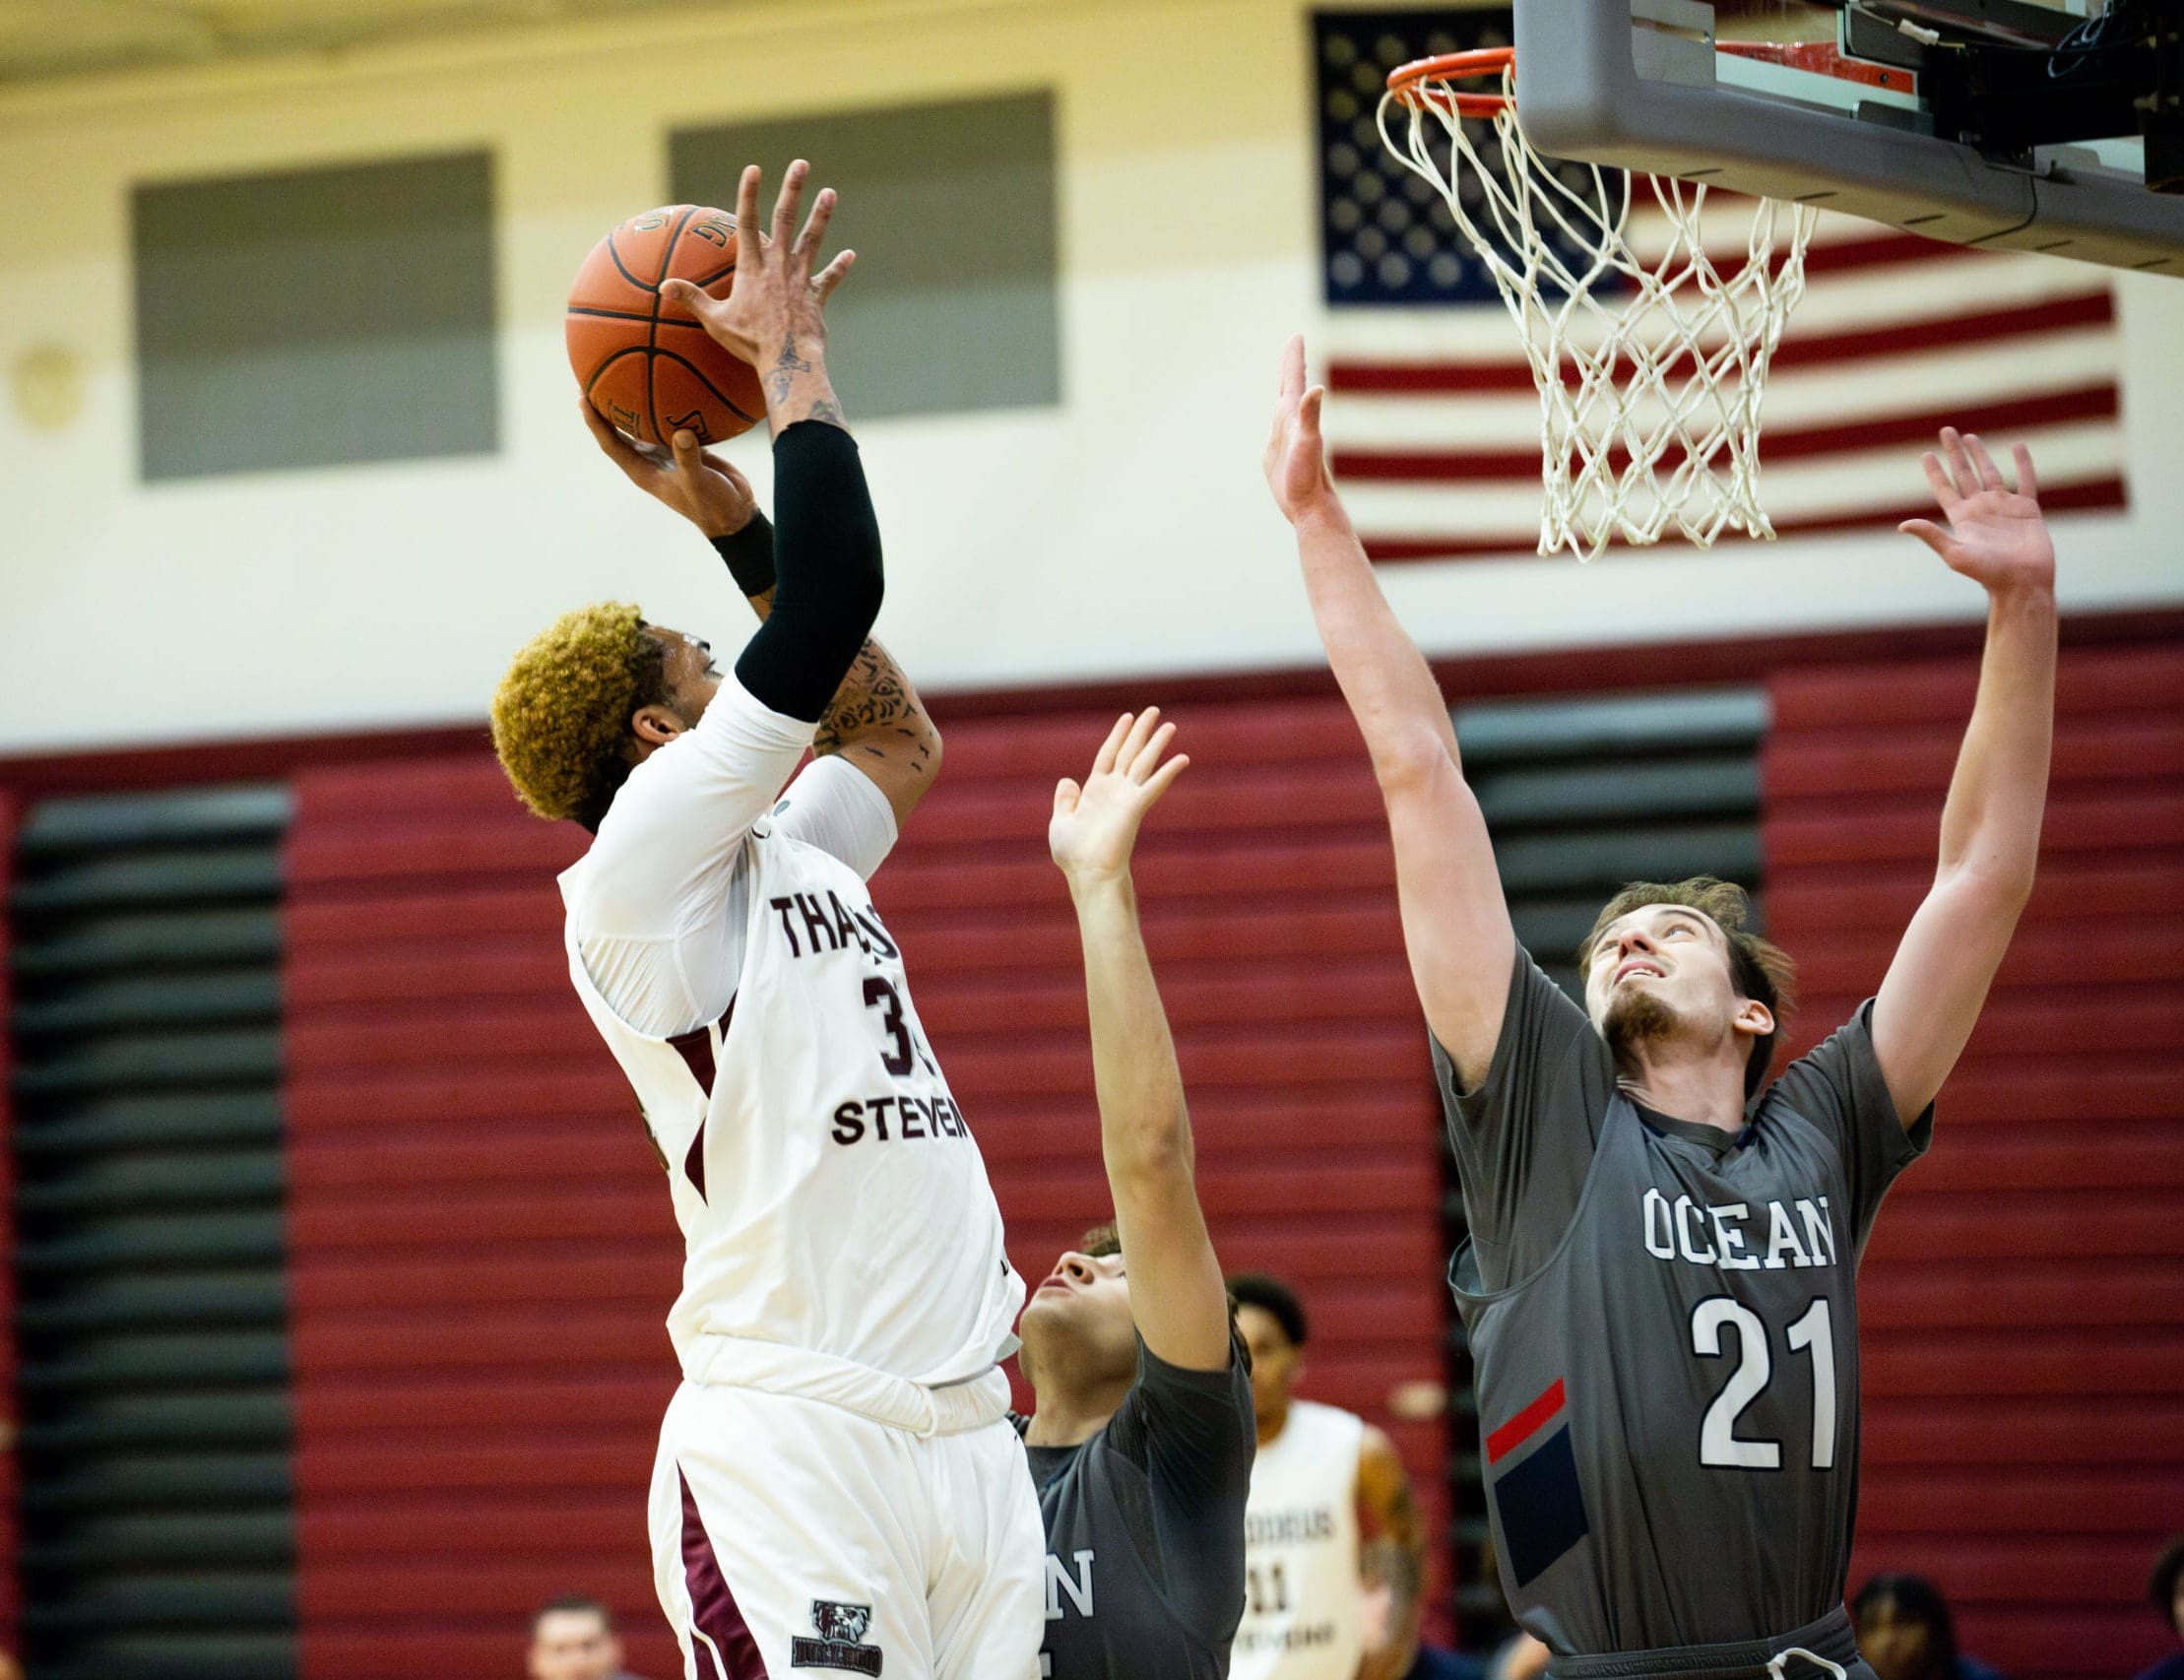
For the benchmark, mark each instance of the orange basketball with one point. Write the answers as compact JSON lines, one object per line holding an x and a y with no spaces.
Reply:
{"x":645,"y":363}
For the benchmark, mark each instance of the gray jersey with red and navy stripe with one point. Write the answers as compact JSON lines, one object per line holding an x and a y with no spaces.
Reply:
{"x":1666,"y":1338}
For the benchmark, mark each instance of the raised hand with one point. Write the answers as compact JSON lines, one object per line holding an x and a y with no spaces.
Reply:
{"x":1296,"y":459}
{"x":1996,"y":535}
{"x":1094,"y":827}
{"x":697,"y":484}
{"x":774,"y":315}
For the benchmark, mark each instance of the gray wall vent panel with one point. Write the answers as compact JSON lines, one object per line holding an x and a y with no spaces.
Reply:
{"x":158,"y":1521}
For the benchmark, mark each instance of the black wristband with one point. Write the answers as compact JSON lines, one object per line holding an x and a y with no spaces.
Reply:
{"x":749,"y":554}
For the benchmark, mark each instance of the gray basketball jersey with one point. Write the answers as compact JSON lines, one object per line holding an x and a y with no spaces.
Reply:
{"x":1145,"y":1529}
{"x":1664,"y":1327}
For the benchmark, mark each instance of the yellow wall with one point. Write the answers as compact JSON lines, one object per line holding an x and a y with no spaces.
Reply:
{"x":1125,"y":530}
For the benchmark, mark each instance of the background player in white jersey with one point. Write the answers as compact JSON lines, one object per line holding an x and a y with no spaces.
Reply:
{"x":837,"y":1484}
{"x":1142,"y":1443}
{"x":1325,"y":1487}
{"x":1659,"y":1284}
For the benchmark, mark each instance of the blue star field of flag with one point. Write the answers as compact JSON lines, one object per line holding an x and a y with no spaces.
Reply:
{"x":1386,"y":237}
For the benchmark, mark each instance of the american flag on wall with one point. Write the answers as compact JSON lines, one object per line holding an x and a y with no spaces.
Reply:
{"x":1432,"y":416}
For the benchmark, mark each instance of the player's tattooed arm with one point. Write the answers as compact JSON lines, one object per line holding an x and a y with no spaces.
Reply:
{"x":780,"y":379}
{"x":878,"y":721}
{"x":798,"y":387}
{"x":1393,"y":1558}
{"x":1391,"y":1588}
{"x":1387,"y":1507}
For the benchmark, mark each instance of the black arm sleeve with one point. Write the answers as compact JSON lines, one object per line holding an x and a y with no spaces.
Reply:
{"x":828,"y":580}
{"x":750,"y":556}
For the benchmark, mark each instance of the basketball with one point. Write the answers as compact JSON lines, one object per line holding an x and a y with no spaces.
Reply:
{"x":645,"y":363}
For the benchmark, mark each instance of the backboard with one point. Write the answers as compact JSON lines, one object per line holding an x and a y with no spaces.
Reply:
{"x":2019,"y":124}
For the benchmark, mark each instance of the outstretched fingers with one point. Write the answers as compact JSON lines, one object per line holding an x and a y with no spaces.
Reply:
{"x":1148,"y":757}
{"x":1933,"y":536}
{"x":1164,"y":778}
{"x":1936,"y":477}
{"x":1308,"y":414}
{"x":1103,"y":761}
{"x":806,"y":248}
{"x":1134,"y":744}
{"x":2028,"y":485}
{"x":828,"y":278}
{"x":1961,"y":469}
{"x":750,"y":252}
{"x":1983,"y":463}
{"x":788,"y":202}
{"x":1289,"y":384}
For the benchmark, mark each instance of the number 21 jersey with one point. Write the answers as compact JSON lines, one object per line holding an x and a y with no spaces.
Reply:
{"x":828,"y":1188}
{"x":1663,"y":1325}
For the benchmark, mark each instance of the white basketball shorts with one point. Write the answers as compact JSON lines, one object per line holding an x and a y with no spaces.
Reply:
{"x":791,"y":1538}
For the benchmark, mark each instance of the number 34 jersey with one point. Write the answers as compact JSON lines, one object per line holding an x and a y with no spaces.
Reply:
{"x":829,"y":1191}
{"x":1667,"y":1373}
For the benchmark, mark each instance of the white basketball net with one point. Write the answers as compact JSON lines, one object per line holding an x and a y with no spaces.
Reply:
{"x":1650,"y":366}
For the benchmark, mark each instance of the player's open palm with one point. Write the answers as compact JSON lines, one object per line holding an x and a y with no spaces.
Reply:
{"x":1094,"y":827}
{"x":776,"y":302}
{"x":1296,"y":459}
{"x":1995,"y":535}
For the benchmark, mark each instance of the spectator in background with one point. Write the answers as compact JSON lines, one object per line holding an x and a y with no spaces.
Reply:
{"x":2166,"y":1587}
{"x":1906,"y":1633}
{"x":574,"y":1638}
{"x":1326,"y":1486}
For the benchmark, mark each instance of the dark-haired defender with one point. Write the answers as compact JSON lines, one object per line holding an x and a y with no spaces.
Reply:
{"x":1141,"y":1441}
{"x":837,"y":1485}
{"x":1658,"y":1285}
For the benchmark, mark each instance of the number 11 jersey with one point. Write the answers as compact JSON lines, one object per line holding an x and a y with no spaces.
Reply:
{"x":830,"y":1194}
{"x":1663,"y":1323}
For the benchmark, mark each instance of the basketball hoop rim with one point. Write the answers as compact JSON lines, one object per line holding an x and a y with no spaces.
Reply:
{"x":1423,"y":81}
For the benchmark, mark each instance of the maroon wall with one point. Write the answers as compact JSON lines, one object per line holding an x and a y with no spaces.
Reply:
{"x":2023,"y":1300}
{"x":483,"y":1257}
{"x":480,"y":1252}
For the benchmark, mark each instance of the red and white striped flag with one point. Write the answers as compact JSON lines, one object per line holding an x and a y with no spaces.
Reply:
{"x":1433,"y":420}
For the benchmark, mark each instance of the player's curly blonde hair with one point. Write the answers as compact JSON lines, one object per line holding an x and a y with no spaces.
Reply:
{"x":561,"y":713}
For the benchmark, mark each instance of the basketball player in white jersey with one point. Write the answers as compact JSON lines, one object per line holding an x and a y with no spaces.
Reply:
{"x":837,"y":1486}
{"x":1325,"y":1485}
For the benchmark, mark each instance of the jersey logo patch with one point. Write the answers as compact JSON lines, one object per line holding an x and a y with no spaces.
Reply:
{"x":841,"y":1628}
{"x":1537,"y":1499}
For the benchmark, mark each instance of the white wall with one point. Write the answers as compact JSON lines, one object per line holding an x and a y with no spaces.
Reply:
{"x":1125,"y":530}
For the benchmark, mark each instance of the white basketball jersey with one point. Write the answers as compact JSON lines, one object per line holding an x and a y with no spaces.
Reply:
{"x":830,"y":1194}
{"x":1301,"y":1611}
